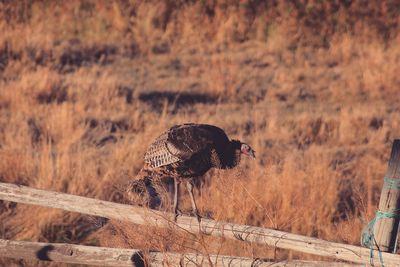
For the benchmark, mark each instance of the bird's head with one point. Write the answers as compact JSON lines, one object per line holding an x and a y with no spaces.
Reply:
{"x":247,"y":150}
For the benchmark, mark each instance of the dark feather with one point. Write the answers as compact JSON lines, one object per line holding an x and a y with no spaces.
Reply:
{"x":190,"y":150}
{"x":187,"y":151}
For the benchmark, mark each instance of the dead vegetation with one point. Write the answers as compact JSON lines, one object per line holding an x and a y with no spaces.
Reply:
{"x":311,"y":85}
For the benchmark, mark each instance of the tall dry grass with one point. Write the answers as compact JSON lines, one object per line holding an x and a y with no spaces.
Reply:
{"x":86,"y":86}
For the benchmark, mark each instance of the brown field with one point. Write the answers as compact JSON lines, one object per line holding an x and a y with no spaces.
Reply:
{"x":313,"y":86}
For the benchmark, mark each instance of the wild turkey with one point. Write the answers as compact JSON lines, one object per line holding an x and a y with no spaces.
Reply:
{"x":188,"y":151}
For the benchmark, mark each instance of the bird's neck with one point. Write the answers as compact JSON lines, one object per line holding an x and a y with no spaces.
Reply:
{"x":233,"y":154}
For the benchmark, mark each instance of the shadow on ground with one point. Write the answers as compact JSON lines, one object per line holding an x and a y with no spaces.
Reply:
{"x":157,"y":100}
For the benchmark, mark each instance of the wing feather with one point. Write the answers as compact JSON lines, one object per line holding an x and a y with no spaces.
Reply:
{"x":190,"y":139}
{"x":182,"y":142}
{"x":159,"y":154}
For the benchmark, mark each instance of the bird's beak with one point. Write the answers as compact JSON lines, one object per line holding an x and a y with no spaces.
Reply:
{"x":247,"y":150}
{"x":252,"y":154}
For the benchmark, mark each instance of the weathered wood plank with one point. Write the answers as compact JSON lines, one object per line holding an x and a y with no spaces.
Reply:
{"x":269,"y":237}
{"x":386,"y":229}
{"x":103,"y":256}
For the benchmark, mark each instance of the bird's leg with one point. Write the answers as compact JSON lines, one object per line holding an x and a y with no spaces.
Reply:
{"x":176,"y":198}
{"x":189,"y":186}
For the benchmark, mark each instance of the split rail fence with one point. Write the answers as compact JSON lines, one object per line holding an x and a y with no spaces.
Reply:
{"x":384,"y":233}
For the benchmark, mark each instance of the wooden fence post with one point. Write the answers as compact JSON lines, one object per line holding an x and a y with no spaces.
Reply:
{"x":387,"y":222}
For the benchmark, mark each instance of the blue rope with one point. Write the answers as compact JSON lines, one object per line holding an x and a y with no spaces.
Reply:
{"x":367,"y":236}
{"x":391,"y":183}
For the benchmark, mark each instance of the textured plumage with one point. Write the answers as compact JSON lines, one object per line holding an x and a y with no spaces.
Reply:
{"x":191,"y":150}
{"x":161,"y":153}
{"x":188,"y":151}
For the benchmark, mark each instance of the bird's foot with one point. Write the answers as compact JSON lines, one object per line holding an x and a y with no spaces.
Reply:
{"x":178,"y":213}
{"x":197,"y":215}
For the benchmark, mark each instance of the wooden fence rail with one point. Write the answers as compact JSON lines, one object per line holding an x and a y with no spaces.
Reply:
{"x":90,"y":255}
{"x":269,"y":237}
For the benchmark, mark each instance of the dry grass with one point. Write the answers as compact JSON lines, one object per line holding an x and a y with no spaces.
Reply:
{"x":86,"y":86}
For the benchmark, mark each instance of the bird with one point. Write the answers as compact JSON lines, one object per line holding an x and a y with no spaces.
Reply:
{"x":186,"y":152}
